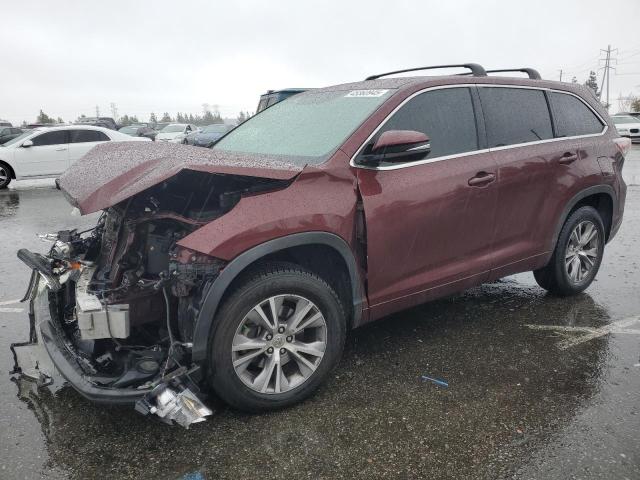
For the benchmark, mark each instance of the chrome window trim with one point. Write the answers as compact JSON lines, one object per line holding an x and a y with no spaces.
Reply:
{"x":353,"y":163}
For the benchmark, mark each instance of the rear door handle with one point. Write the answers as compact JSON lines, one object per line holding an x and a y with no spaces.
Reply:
{"x":568,"y":158}
{"x":60,"y":149}
{"x":481,"y":178}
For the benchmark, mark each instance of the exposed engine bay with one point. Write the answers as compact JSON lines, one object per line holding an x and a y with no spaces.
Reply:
{"x":123,"y":297}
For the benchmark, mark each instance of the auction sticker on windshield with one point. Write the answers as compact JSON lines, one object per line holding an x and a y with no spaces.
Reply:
{"x":366,"y":93}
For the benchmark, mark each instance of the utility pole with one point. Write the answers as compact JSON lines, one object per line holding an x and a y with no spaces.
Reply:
{"x":607,"y":69}
{"x":97,"y":111}
{"x":560,"y":74}
{"x":114,"y":111}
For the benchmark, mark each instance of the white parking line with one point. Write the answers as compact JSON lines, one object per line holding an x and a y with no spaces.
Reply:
{"x":585,"y":334}
{"x":11,"y":310}
{"x":9,"y":302}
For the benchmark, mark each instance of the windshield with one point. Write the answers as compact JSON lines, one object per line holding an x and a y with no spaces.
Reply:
{"x":129,"y":130}
{"x":307,"y":127}
{"x":625,"y":119}
{"x":172,"y":129}
{"x":17,"y":139}
{"x":218,"y":128}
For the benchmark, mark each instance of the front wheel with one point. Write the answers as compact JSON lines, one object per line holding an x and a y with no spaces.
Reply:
{"x":577,"y":256}
{"x":5,"y":176}
{"x":276,"y":338}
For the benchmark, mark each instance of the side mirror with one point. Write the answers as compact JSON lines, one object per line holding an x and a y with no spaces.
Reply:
{"x":27,"y":144}
{"x":399,"y":146}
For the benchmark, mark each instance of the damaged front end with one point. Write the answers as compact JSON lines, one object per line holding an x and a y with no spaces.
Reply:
{"x":115,"y":306}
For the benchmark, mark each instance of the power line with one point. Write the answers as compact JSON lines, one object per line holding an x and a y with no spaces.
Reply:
{"x":607,"y":69}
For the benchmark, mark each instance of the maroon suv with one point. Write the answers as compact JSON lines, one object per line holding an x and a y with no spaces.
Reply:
{"x":241,"y":268}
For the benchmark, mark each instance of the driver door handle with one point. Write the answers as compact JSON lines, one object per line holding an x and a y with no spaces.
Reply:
{"x":481,"y":178}
{"x":61,"y":149}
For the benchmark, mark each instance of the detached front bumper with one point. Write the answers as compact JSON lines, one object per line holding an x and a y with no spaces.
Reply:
{"x":49,"y":338}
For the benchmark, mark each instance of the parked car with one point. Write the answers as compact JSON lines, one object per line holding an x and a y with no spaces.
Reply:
{"x":4,"y":123}
{"x":208,"y":135}
{"x":627,"y":126}
{"x":139,"y":131}
{"x":274,"y":96}
{"x":176,"y":132}
{"x":47,"y":152}
{"x":159,"y":126}
{"x":7,"y":133}
{"x":242,"y":267}
{"x":106,"y":122}
{"x":633,"y":114}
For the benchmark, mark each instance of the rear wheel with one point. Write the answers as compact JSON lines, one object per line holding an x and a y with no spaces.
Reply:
{"x":5,"y":176}
{"x":577,"y":256}
{"x":276,"y":338}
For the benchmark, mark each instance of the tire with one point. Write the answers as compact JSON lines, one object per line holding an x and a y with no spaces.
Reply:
{"x":289,"y":285}
{"x":5,"y":176}
{"x":573,"y":267}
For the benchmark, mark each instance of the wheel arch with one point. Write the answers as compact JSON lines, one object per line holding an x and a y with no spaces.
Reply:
{"x":11,"y":170}
{"x":273,"y":249}
{"x":600,"y":197}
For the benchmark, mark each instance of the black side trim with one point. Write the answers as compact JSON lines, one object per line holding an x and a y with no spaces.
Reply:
{"x":579,"y":196}
{"x":233,"y":269}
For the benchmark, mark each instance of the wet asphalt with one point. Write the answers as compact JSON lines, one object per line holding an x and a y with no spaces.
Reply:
{"x":521,"y":402}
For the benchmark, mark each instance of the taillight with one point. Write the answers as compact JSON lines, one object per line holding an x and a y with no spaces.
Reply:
{"x":623,"y":144}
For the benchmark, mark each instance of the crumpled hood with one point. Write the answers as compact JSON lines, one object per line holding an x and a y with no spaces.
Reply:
{"x":114,"y":171}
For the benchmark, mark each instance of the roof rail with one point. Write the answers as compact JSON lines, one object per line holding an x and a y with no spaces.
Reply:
{"x":533,"y":73}
{"x":476,"y":70}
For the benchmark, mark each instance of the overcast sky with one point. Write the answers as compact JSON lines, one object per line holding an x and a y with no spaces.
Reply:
{"x":67,"y":56}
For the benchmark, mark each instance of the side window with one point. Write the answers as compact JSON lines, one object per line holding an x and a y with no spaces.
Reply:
{"x":50,"y":138}
{"x":446,"y":116}
{"x":16,"y":131}
{"x":515,"y":115}
{"x":84,"y":136}
{"x":572,"y":117}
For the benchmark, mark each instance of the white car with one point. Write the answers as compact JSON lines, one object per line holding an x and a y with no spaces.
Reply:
{"x":176,"y":132}
{"x":47,"y":152}
{"x":627,"y":126}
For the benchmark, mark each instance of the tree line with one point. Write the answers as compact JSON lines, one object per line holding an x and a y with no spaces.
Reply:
{"x":207,"y":118}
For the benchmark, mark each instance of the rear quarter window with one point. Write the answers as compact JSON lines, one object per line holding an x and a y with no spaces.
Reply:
{"x":572,"y":117}
{"x":515,"y":115}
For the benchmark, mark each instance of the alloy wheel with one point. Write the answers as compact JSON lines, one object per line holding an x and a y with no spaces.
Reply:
{"x":582,"y":251}
{"x":279,"y":344}
{"x":4,"y":175}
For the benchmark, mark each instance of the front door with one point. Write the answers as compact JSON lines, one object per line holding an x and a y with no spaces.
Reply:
{"x":49,"y":155}
{"x":429,"y":222}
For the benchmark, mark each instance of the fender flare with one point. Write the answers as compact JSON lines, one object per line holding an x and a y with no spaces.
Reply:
{"x":608,"y":189}
{"x":213,"y":295}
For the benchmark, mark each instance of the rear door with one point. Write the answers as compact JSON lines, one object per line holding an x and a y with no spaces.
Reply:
{"x":82,"y":141}
{"x":581,"y":159}
{"x":429,"y":222}
{"x":520,"y":136}
{"x":49,"y":155}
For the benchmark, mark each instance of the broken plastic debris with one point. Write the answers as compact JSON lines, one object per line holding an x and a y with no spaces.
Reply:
{"x":437,"y":381}
{"x":193,"y":476}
